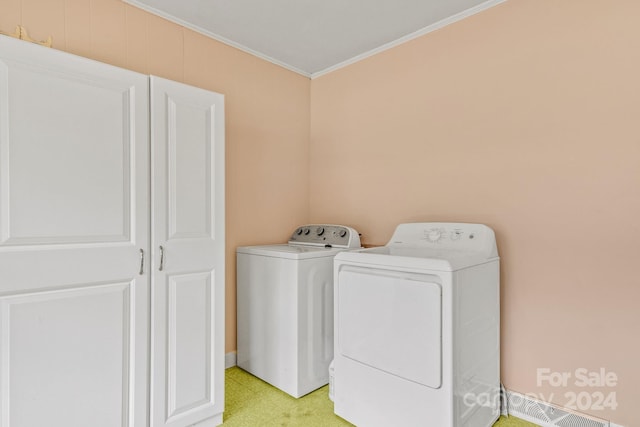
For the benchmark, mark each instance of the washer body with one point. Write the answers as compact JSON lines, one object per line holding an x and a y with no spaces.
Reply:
{"x":285,"y":307}
{"x":417,"y":329}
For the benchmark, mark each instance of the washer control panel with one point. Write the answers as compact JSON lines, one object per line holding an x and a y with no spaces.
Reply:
{"x":329,"y":235}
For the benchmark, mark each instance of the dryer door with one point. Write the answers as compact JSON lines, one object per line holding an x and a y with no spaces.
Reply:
{"x":391,"y":321}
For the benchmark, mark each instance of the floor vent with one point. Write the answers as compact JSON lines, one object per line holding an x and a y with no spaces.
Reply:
{"x":547,"y":415}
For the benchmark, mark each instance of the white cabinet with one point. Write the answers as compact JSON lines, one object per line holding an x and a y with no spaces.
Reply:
{"x":98,"y":326}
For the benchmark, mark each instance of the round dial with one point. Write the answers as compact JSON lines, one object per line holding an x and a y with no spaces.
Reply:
{"x":299,"y":232}
{"x":434,"y":235}
{"x":320,"y":231}
{"x":306,"y":231}
{"x":342,"y":233}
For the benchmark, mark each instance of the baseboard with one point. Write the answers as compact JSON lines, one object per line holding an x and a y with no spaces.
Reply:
{"x":230,"y":360}
{"x":549,"y":415}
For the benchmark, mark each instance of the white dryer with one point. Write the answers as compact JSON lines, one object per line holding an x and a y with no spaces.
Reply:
{"x":285,"y":307}
{"x":417,"y":329}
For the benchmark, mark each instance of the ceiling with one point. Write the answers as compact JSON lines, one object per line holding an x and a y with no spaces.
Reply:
{"x":313,"y":37}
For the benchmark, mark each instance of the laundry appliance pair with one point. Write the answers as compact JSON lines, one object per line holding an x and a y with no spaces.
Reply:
{"x":413,"y":326}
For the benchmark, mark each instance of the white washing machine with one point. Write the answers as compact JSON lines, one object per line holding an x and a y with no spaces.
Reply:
{"x":417,"y":330}
{"x":285,"y":307}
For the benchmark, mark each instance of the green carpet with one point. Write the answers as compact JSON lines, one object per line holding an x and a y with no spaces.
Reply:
{"x":250,"y":402}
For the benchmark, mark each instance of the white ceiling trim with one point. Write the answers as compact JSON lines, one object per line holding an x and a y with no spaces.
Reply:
{"x":428,"y":29}
{"x":214,"y":36}
{"x":433,"y":27}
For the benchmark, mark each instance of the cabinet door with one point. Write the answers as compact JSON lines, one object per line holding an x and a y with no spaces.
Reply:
{"x":74,"y":155}
{"x":187,"y":384}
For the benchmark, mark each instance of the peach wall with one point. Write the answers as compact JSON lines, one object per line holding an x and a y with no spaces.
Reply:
{"x":267,"y":107}
{"x":525,"y":117}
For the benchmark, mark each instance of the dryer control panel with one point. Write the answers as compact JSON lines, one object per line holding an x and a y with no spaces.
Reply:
{"x":461,"y":237}
{"x":337,"y":236}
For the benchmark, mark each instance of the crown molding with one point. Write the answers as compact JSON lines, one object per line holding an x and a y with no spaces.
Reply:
{"x":419,"y":33}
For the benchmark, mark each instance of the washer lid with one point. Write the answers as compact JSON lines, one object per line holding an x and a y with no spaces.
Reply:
{"x":289,"y":251}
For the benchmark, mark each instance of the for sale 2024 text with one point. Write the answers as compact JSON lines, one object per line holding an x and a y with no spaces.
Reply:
{"x":595,"y":392}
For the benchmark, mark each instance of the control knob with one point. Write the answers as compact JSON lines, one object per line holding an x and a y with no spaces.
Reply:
{"x":434,"y":235}
{"x":320,"y":231}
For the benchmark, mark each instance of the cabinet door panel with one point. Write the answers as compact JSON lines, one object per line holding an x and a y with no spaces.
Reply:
{"x":188,"y":222}
{"x":76,"y":189}
{"x":189,"y":303}
{"x":189,"y":167}
{"x":65,"y":355}
{"x":74,"y":215}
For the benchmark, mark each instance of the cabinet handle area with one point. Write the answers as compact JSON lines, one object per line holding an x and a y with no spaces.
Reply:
{"x":161,"y":258}
{"x":141,"y":261}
